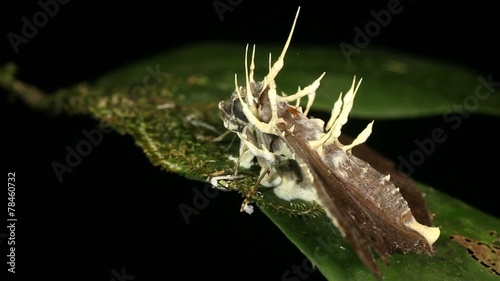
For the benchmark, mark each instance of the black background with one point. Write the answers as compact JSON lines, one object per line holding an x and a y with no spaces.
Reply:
{"x":116,"y":210}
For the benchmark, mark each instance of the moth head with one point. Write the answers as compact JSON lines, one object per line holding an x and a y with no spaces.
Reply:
{"x":231,"y":110}
{"x":232,"y":114}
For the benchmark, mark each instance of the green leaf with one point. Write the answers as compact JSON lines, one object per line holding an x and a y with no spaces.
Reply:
{"x":324,"y":246}
{"x":168,"y":104}
{"x":394,"y":85}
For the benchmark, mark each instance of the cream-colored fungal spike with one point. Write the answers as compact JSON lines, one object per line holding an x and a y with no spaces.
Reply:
{"x":304,"y":92}
{"x":278,"y":65}
{"x":347,"y":104}
{"x":252,"y":119}
{"x":273,"y":100}
{"x":361,"y":138}
{"x":335,"y":112}
{"x":249,"y":88}
{"x":309,"y":91}
{"x":273,"y":72}
{"x":252,"y":66}
{"x":310,"y":101}
{"x":340,"y":112}
{"x":431,"y":234}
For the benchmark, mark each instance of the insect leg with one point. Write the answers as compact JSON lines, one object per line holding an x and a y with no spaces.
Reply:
{"x":253,"y":190}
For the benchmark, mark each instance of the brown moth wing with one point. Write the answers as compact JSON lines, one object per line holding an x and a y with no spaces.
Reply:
{"x":366,"y":221}
{"x":362,"y":227}
{"x":407,"y":186}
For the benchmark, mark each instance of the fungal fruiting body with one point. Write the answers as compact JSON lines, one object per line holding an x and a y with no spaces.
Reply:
{"x":302,"y":158}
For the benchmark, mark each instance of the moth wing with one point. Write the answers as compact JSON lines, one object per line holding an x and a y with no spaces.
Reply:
{"x":407,"y":186}
{"x":363,"y":224}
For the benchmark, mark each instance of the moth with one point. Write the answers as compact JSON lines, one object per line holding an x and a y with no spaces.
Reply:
{"x":303,"y":158}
